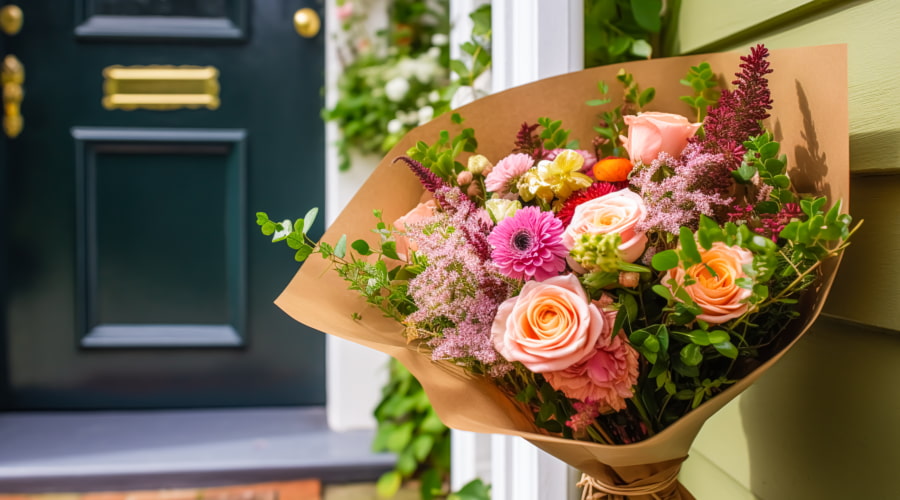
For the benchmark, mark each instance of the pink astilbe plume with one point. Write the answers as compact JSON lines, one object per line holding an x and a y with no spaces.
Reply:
{"x":458,"y":293}
{"x":451,"y":199}
{"x":739,"y":112}
{"x":677,"y":192}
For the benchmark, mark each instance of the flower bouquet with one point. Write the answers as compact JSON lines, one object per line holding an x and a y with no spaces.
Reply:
{"x":597,"y":274}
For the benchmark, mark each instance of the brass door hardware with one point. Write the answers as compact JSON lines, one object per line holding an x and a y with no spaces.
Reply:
{"x":11,"y":19}
{"x":307,"y":22}
{"x":12,"y":76}
{"x":160,"y":88}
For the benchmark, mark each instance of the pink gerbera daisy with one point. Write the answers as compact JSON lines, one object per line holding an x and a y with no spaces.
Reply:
{"x":506,"y":171}
{"x":529,"y":245}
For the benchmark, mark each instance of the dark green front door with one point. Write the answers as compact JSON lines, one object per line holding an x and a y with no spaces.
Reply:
{"x":134,"y":274}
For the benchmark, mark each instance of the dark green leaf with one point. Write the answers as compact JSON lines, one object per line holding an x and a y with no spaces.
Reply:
{"x":361,"y":247}
{"x":389,"y":249}
{"x":647,"y":14}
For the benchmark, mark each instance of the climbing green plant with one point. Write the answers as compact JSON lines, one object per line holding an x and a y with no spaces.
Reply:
{"x":409,"y":427}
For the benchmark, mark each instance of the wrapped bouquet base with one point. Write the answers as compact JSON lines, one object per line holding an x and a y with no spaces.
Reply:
{"x":809,"y":87}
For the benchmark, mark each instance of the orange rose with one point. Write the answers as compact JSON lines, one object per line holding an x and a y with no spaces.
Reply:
{"x":651,"y":133}
{"x":549,"y":326}
{"x":715,"y":290}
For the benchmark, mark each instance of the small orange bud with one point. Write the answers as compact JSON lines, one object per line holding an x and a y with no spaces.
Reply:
{"x":613,"y":169}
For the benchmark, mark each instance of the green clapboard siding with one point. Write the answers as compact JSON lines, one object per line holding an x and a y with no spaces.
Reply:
{"x":820,"y":425}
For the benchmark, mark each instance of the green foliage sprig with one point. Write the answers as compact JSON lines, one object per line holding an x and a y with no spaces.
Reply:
{"x":705,"y":85}
{"x":442,"y":156}
{"x":612,"y":123}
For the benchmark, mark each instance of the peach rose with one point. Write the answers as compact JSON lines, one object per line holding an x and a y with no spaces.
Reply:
{"x":606,"y":376}
{"x":549,"y":326}
{"x":422,"y":211}
{"x":717,"y":294}
{"x":652,"y":133}
{"x":616,"y":212}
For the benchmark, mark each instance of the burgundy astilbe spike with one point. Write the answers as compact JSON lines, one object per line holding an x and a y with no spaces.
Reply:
{"x":528,"y":142}
{"x":739,"y":112}
{"x":429,"y":179}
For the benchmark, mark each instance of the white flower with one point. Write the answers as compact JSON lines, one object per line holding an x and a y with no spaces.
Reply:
{"x":396,"y":89}
{"x":434,"y":96}
{"x":440,"y":39}
{"x":394,"y":126}
{"x":425,"y":69}
{"x":426,"y":114}
{"x":410,"y":118}
{"x":434,"y":52}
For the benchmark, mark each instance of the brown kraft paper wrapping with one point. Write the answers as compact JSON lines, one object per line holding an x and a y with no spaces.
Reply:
{"x":809,"y":118}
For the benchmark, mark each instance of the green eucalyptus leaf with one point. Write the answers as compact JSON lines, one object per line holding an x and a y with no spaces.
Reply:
{"x":340,"y":249}
{"x":309,"y":219}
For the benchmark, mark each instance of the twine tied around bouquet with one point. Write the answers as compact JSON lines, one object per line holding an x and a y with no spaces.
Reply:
{"x":594,"y":489}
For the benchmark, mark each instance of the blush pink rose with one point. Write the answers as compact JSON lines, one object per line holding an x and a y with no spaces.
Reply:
{"x":720,"y":298}
{"x":549,"y":326}
{"x":652,"y":133}
{"x":422,"y":211}
{"x":606,"y":376}
{"x":617,"y":212}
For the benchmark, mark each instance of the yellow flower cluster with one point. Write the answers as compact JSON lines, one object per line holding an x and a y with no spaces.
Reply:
{"x":558,"y":178}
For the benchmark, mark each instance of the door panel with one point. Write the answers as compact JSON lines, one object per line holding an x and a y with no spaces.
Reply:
{"x":162,"y":19}
{"x":136,"y":278}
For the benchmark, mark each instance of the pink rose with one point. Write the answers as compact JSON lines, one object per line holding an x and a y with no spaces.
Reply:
{"x":549,"y":326}
{"x":606,"y":376}
{"x":651,"y":133}
{"x":717,"y":294}
{"x":421,"y":212}
{"x":616,"y":212}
